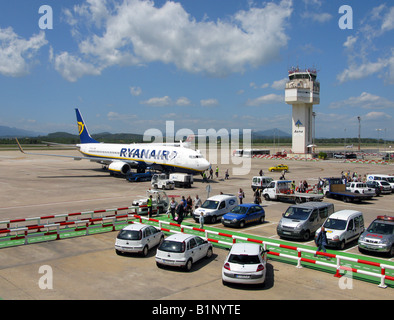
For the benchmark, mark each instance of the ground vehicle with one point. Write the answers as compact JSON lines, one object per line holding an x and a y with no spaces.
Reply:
{"x":300,"y":221}
{"x":279,"y":167}
{"x":160,"y":202}
{"x":343,"y":227}
{"x":388,"y":156}
{"x":214,"y":207}
{"x":243,"y":214}
{"x":182,"y":250}
{"x":281,"y":190}
{"x":334,"y":188}
{"x":385,"y":187}
{"x":139,"y":176}
{"x":182,"y":179}
{"x":379,"y":236}
{"x":138,"y":238}
{"x":382,"y":177}
{"x":360,"y":187}
{"x":245,"y":263}
{"x":280,"y":154}
{"x":375,"y":186}
{"x":260,"y":182}
{"x":339,"y":156}
{"x":161,"y":181}
{"x":345,"y":156}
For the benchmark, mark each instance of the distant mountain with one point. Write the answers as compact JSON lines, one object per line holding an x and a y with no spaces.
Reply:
{"x":8,"y":132}
{"x":271,"y":133}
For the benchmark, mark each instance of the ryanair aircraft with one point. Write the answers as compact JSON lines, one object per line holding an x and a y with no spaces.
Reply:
{"x":120,"y":158}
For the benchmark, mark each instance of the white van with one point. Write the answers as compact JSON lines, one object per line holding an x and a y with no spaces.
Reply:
{"x":215,"y":207}
{"x":384,"y":177}
{"x":260,"y":182}
{"x":343,"y":227}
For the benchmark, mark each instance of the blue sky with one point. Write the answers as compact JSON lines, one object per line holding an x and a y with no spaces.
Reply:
{"x":132,"y":65}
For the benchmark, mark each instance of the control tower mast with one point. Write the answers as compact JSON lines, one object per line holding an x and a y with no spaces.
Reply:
{"x":302,"y":92}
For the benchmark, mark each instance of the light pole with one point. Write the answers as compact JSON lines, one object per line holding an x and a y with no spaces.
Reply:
{"x":359,"y":132}
{"x":378,"y":130}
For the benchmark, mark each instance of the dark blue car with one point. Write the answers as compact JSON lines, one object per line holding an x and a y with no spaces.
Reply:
{"x":243,"y":214}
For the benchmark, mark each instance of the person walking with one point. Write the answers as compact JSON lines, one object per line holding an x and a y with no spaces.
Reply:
{"x":257,"y":198}
{"x":173,"y":205}
{"x":241,"y":195}
{"x":197,"y":202}
{"x":180,"y":211}
{"x":201,"y":220}
{"x":226,"y":176}
{"x":321,"y":241}
{"x":149,"y":203}
{"x":189,"y":206}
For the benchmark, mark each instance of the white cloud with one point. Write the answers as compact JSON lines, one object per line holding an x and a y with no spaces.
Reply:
{"x":356,"y":72}
{"x":267,"y":99}
{"x":135,"y":91}
{"x":350,"y":42}
{"x":280,"y":84}
{"x":158,"y":101}
{"x":17,"y":55}
{"x":136,"y":32}
{"x":209,"y":102}
{"x":312,"y":11}
{"x":362,"y":46}
{"x":375,"y":115}
{"x":388,"y":20}
{"x":114,"y":116}
{"x":366,"y":101}
{"x":318,"y":17}
{"x":72,"y":67}
{"x":183,"y":101}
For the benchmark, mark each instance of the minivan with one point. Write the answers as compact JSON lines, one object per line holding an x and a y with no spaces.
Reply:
{"x":300,"y":221}
{"x":215,"y":207}
{"x":260,"y":182}
{"x":343,"y":227}
{"x":384,"y":177}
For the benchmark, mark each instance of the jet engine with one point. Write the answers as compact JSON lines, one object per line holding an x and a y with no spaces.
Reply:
{"x":119,"y":167}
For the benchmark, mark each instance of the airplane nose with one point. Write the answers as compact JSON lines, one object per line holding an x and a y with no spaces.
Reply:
{"x":205,"y":164}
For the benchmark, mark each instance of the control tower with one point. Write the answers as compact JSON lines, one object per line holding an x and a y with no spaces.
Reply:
{"x":302,"y":92}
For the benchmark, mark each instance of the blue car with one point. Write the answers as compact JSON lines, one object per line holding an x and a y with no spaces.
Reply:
{"x":243,"y":214}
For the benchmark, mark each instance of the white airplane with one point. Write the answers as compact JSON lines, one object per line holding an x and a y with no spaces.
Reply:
{"x":120,"y":158}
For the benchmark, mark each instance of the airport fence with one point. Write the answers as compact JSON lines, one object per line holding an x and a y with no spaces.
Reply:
{"x":70,"y":225}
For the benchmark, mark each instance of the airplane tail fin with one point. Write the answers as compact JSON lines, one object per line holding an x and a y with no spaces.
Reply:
{"x":83,"y":132}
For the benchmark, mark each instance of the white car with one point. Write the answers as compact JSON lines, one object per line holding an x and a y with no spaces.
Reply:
{"x":360,"y":187}
{"x":182,"y":250}
{"x":138,"y":238}
{"x":245,"y":263}
{"x":384,"y":186}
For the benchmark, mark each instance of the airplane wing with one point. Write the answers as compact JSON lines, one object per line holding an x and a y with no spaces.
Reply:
{"x":49,"y":143}
{"x":94,"y":159}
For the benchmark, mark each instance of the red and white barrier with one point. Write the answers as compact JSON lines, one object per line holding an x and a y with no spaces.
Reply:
{"x":87,"y":224}
{"x":337,"y":266}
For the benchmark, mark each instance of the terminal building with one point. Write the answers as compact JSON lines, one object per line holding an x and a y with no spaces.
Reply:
{"x":302,"y":92}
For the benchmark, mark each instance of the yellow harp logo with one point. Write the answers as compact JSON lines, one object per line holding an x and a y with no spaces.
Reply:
{"x":81,"y":127}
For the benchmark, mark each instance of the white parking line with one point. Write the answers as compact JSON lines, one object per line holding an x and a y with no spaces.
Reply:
{"x":350,"y":248}
{"x":261,"y":226}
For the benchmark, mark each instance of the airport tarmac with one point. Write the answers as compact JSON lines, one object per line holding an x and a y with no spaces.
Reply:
{"x":88,"y":268}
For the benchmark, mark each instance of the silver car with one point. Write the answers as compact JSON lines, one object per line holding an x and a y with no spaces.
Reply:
{"x":138,"y":238}
{"x":379,"y":236}
{"x":182,"y":250}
